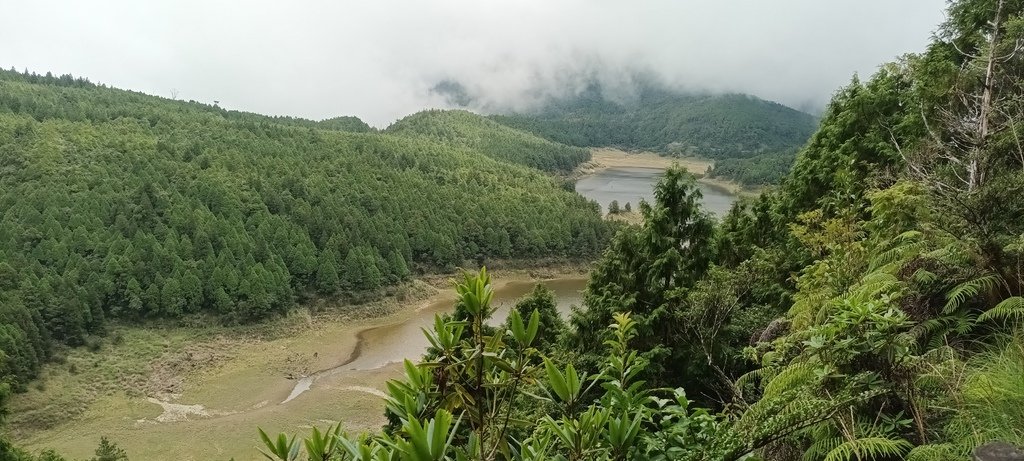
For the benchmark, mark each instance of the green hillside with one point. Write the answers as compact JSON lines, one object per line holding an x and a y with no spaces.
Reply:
{"x":731,"y":126}
{"x":345,"y":123}
{"x":466,"y":129}
{"x":122,"y":205}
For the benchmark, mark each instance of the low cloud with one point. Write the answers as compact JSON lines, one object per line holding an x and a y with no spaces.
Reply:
{"x":379,"y":60}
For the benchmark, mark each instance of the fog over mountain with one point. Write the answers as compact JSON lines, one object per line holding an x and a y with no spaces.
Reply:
{"x":379,"y":60}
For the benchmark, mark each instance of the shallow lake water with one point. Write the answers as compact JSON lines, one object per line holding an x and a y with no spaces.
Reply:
{"x":380,"y":346}
{"x":632,"y":184}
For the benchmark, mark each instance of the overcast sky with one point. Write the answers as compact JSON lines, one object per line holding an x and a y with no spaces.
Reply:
{"x":377,"y":59}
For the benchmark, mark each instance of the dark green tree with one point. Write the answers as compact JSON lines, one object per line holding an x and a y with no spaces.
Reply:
{"x":647,"y":270}
{"x":552,"y":326}
{"x":109,"y":451}
{"x":327,"y":278}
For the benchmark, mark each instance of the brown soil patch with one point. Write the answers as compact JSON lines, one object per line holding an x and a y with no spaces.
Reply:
{"x":605,"y":157}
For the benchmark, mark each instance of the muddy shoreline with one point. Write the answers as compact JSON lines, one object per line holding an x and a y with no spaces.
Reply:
{"x":604,"y":158}
{"x":219,"y":404}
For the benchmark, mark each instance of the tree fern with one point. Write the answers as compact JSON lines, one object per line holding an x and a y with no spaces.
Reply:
{"x":924,"y":277}
{"x":934,"y":332}
{"x":749,"y":378}
{"x":873,"y":285}
{"x":809,"y":308}
{"x":952,"y":254}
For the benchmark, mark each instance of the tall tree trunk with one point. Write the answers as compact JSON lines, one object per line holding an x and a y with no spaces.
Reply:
{"x":976,"y":173}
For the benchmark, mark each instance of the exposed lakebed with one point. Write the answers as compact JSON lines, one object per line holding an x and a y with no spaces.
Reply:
{"x":218,"y":406}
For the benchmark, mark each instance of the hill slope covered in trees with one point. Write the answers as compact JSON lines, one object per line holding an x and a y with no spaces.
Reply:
{"x":466,"y":129}
{"x":719,"y":127}
{"x":122,"y":205}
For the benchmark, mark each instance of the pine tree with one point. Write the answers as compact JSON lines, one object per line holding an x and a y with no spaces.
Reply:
{"x":327,"y":279}
{"x":372,"y":278}
{"x":134,"y":295}
{"x":191,"y":291}
{"x":221,"y":301}
{"x":171,"y":297}
{"x":542,"y":300}
{"x":353,"y":270}
{"x":109,"y":451}
{"x":398,"y":266}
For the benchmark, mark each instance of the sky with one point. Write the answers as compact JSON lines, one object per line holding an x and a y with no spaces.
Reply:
{"x":378,"y":59}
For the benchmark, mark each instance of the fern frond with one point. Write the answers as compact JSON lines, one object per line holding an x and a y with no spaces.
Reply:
{"x":1009,"y":308}
{"x":952,"y":254}
{"x":748,"y":378}
{"x":822,"y":447}
{"x":868,"y":448}
{"x":872,"y":285}
{"x":936,"y":452}
{"x":912,"y":236}
{"x":968,"y":289}
{"x":892,"y":259}
{"x":936,"y":330}
{"x":808,"y":309}
{"x":924,"y":277}
{"x":793,"y":376}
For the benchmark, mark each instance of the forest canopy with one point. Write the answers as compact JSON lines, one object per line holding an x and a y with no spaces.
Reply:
{"x":466,"y":129}
{"x":123,"y":205}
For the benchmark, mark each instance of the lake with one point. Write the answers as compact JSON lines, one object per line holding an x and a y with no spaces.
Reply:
{"x":632,"y":184}
{"x":386,"y":344}
{"x":394,"y":343}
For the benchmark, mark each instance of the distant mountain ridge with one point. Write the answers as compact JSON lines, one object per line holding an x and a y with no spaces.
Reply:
{"x":726,"y":127}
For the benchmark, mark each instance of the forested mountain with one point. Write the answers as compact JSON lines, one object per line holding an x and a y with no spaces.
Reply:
{"x":119,"y":204}
{"x":769,"y":168}
{"x":720,"y":127}
{"x":345,"y":123}
{"x":868,"y":309}
{"x":466,"y":129}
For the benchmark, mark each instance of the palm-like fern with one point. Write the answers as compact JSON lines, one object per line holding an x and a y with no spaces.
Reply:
{"x":1011,"y":308}
{"x":937,"y":452}
{"x":969,"y":289}
{"x":869,"y":448}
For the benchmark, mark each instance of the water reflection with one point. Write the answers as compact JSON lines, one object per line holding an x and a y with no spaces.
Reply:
{"x":632,"y":184}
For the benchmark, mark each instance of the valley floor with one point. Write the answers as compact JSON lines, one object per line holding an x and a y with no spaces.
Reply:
{"x":207,"y":388}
